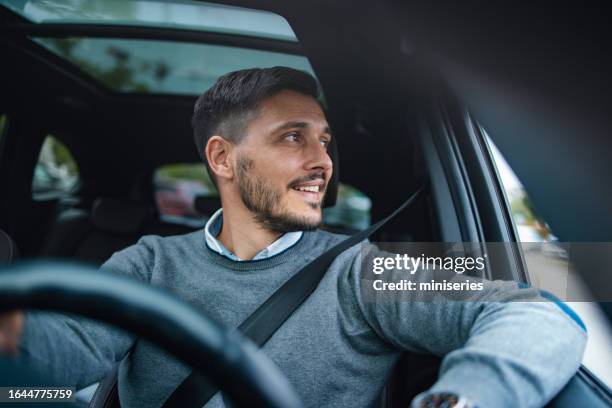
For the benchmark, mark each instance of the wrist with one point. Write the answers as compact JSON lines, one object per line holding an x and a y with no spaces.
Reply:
{"x":442,"y":400}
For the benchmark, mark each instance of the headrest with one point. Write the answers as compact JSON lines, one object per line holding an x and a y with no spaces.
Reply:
{"x":118,"y":216}
{"x":141,"y":190}
{"x":8,"y":248}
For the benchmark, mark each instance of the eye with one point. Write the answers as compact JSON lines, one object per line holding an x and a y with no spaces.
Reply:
{"x":293,"y":136}
{"x":325,"y":143}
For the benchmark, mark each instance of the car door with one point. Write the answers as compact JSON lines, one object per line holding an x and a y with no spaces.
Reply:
{"x":476,"y":194}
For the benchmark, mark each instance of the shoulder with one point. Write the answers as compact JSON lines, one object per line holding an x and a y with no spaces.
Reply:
{"x":323,"y":239}
{"x":170,"y":243}
{"x":138,"y":259}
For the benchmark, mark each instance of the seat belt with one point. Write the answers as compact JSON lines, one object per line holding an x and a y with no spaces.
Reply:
{"x":196,"y":390}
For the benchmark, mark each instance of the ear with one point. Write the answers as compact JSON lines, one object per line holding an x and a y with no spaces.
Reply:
{"x":218,"y":153}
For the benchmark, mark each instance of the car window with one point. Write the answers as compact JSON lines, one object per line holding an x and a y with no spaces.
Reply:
{"x":177,"y":186}
{"x":540,"y":245}
{"x":549,"y":267}
{"x":56,"y":172}
{"x":352,"y":209}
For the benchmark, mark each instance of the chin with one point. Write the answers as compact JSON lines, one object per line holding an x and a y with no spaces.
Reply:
{"x":308,"y":222}
{"x":293,"y":222}
{"x":314,"y":223}
{"x":312,"y":214}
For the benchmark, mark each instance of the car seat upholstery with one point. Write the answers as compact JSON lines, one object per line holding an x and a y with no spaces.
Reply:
{"x":112,"y":224}
{"x":93,"y":236}
{"x":207,"y":205}
{"x":109,"y":226}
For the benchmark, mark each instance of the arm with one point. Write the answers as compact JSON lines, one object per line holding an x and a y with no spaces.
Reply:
{"x":77,"y":351}
{"x":504,"y":347}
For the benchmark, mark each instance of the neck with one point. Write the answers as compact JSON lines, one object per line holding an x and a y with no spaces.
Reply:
{"x":242,"y":235}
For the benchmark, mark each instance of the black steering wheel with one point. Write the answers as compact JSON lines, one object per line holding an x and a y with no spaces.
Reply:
{"x":228,"y":360}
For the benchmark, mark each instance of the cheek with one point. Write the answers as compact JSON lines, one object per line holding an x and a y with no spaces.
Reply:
{"x":281,"y":168}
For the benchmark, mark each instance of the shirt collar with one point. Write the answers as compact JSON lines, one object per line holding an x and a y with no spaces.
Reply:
{"x":213,"y":228}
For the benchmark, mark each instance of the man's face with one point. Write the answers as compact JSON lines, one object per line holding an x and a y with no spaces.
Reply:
{"x":282,"y":165}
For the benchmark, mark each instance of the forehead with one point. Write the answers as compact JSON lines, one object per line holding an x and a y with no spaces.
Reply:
{"x":290,"y":106}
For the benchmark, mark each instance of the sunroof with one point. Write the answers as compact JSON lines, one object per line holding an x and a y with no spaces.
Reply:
{"x":182,"y":14}
{"x":148,"y":66}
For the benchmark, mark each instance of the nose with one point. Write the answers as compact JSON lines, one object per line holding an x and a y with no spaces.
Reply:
{"x":318,"y":158}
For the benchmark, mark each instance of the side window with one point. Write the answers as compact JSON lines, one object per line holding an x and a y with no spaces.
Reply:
{"x":176,"y":188}
{"x":56,"y":173}
{"x":529,"y":225}
{"x":352,"y":209}
{"x":550,"y":268}
{"x":546,"y":258}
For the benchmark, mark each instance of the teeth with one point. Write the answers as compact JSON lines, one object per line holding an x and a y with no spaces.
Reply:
{"x":313,"y":189}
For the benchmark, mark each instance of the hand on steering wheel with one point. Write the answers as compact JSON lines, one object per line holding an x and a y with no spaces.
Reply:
{"x":230,"y":361}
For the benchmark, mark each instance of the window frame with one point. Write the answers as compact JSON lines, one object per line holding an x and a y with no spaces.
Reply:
{"x":466,"y":194}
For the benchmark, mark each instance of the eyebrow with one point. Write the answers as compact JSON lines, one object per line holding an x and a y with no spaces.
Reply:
{"x":299,"y":125}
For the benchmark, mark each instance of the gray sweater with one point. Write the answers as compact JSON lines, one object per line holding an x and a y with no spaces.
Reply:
{"x":338,"y":348}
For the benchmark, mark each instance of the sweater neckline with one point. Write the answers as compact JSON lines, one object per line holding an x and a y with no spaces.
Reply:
{"x":251,"y":265}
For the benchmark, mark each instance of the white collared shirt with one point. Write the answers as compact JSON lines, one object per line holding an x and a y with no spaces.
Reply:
{"x":213,"y":228}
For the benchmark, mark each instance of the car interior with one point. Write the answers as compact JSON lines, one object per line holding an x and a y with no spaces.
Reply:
{"x":378,"y":98}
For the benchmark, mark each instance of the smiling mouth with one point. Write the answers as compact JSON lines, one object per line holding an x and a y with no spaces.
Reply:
{"x":313,"y":195}
{"x":309,"y":189}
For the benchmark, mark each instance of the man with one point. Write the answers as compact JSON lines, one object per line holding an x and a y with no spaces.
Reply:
{"x":264,"y":139}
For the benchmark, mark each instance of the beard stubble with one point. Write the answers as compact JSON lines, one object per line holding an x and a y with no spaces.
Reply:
{"x":263,"y":200}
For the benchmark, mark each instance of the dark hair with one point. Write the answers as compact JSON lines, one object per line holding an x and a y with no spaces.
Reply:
{"x":232,"y":102}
